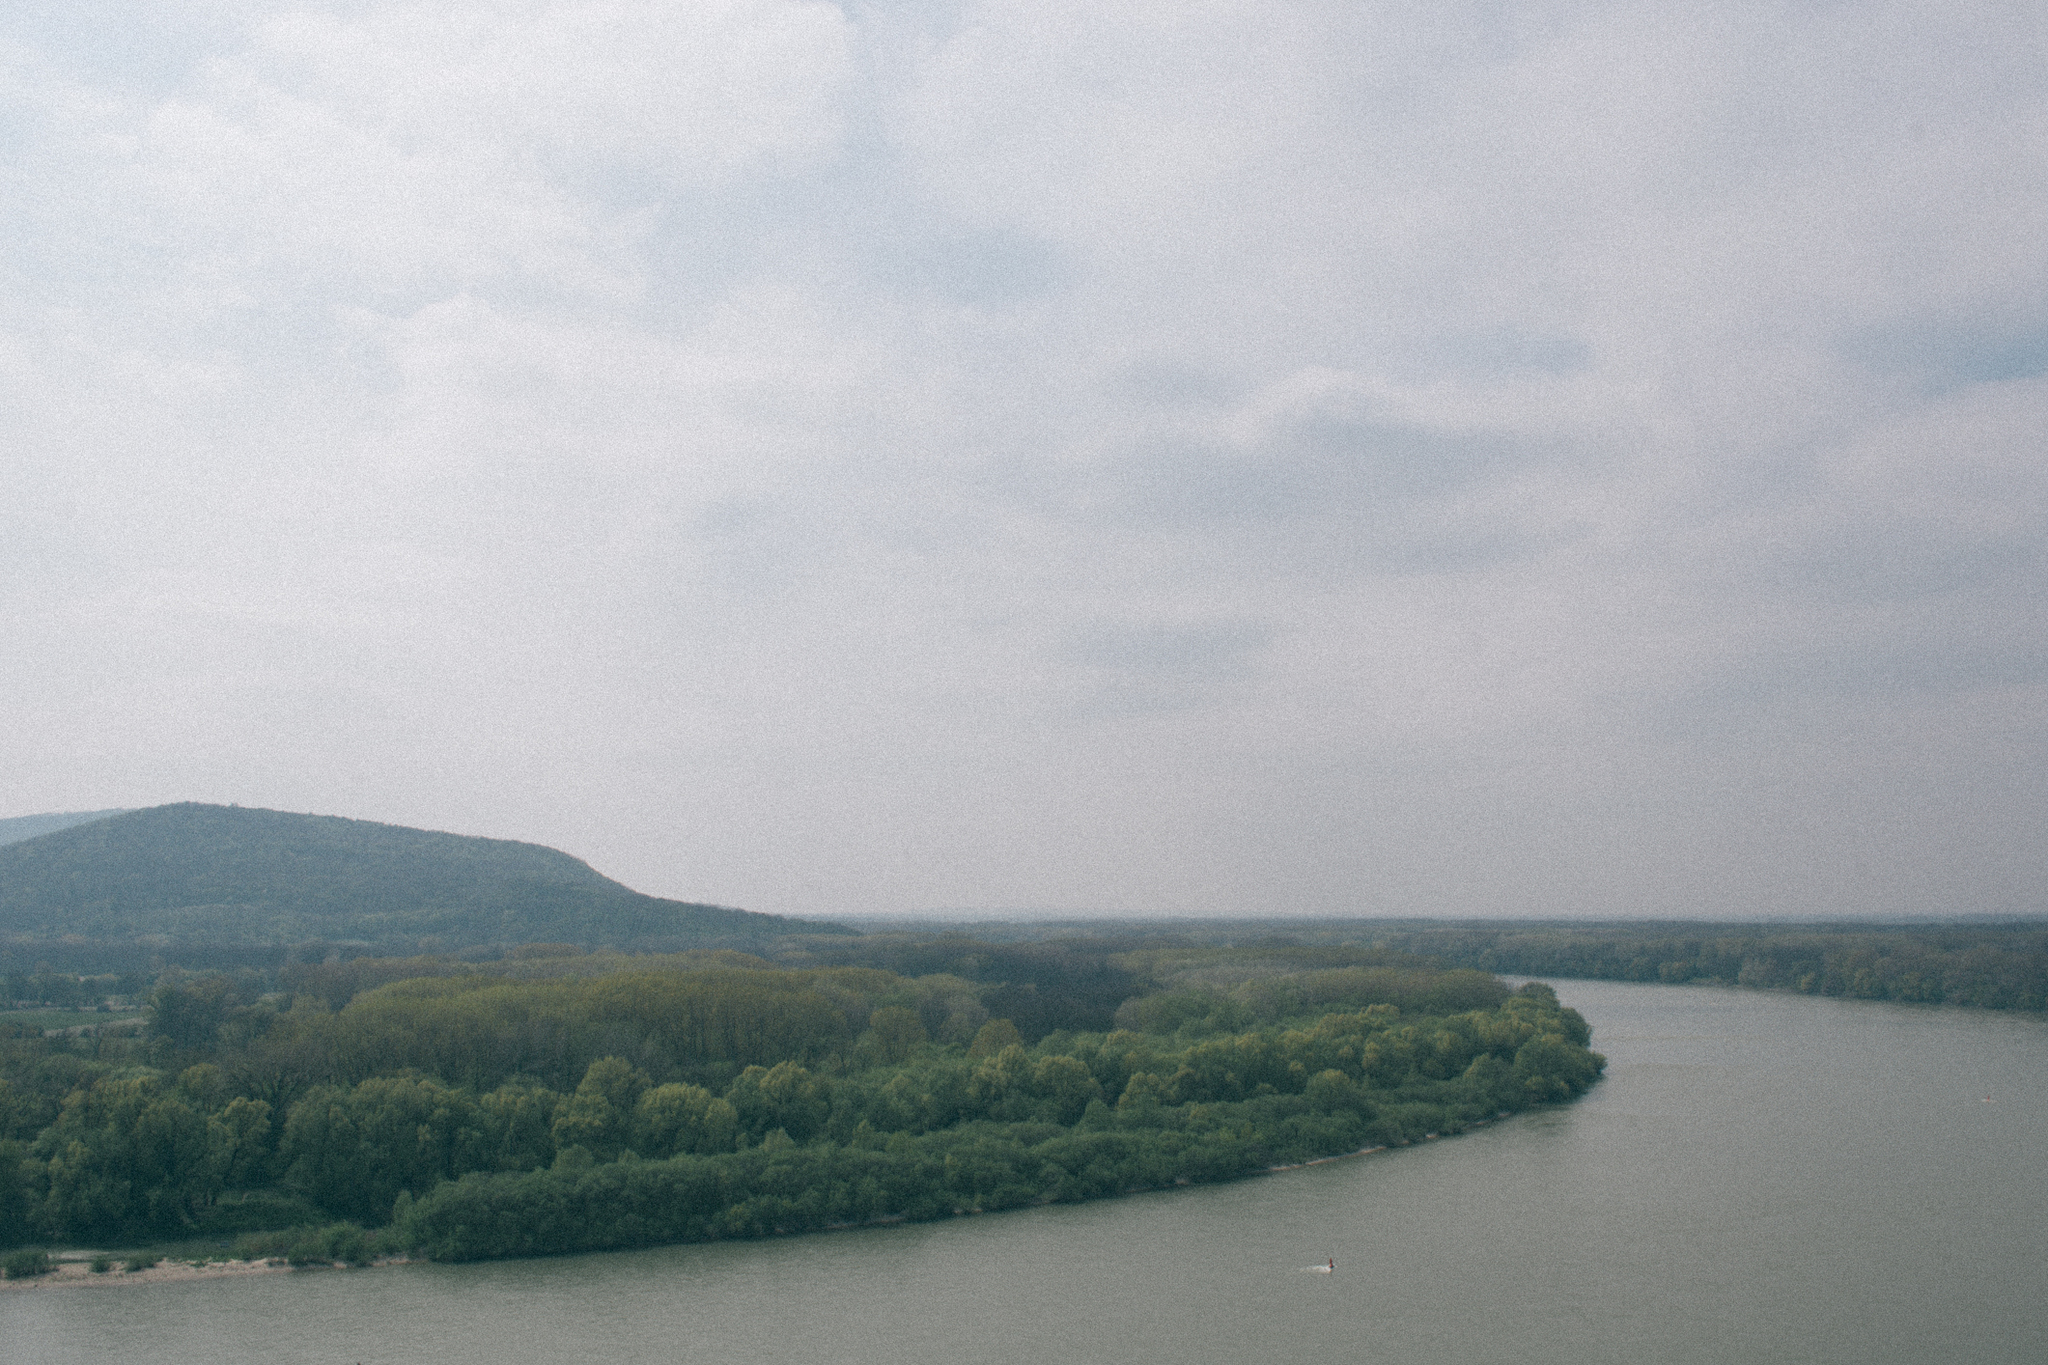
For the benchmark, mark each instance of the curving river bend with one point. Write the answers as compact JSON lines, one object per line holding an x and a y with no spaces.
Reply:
{"x":1759,"y":1178}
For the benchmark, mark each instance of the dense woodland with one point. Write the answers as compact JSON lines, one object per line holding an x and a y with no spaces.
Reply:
{"x":1968,"y":964}
{"x":555,"y":1100}
{"x":1984,"y":966}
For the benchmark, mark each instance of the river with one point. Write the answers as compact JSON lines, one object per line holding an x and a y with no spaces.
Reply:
{"x":1759,"y":1178}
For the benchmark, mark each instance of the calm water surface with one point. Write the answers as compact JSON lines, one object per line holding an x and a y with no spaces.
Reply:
{"x":1759,"y":1178}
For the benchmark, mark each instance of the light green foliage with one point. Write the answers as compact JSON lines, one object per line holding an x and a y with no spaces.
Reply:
{"x":784,"y":1096}
{"x":993,"y":1037}
{"x":203,"y":1086}
{"x":516,"y":1127}
{"x":674,"y":1119}
{"x":483,"y":1031}
{"x":1143,"y":1094}
{"x":1013,"y":1088}
{"x":893,"y":1034}
{"x":1332,"y":1091}
{"x":599,"y":1115}
{"x":1065,"y":1088}
{"x":1551,"y":1068}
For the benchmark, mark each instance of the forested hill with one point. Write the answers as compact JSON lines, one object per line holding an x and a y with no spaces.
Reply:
{"x":224,"y":874}
{"x":14,"y":830}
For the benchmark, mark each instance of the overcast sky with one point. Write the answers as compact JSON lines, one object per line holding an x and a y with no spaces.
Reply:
{"x":1210,"y":458}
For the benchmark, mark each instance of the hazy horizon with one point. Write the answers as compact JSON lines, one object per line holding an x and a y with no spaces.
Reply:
{"x":1204,"y":459}
{"x":17,"y":828}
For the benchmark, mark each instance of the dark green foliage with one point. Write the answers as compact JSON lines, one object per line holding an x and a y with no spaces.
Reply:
{"x":128,"y":1152}
{"x":783,"y":1098}
{"x":673,"y":1120}
{"x":15,"y":1194}
{"x":1209,"y":990}
{"x":352,"y":1151}
{"x":22,"y":1265}
{"x":331,"y":1244}
{"x":560,"y":1101}
{"x":253,"y":1211}
{"x":1039,"y":987}
{"x":188,"y":1013}
{"x":219,"y":874}
{"x":1989,"y":966}
{"x":950,"y":1133}
{"x":1152,"y":1139}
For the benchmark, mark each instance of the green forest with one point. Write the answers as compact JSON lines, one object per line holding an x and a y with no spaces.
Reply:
{"x":1981,"y":966}
{"x":1999,"y":965}
{"x":554,"y":1100}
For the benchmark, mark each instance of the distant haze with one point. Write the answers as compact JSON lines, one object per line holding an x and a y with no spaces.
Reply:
{"x":13,"y":830}
{"x":1191,"y":458}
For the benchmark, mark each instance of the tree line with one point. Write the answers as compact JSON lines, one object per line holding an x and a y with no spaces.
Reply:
{"x":1982,"y":966}
{"x":475,"y":1114}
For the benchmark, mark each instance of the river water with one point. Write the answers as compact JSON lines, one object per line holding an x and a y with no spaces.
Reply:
{"x":1759,"y":1178}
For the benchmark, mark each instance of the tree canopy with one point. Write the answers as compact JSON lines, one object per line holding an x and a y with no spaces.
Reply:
{"x":559,"y":1102}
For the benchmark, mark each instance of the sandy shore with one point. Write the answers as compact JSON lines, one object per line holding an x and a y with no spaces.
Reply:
{"x":68,"y":1273}
{"x":1326,"y":1160}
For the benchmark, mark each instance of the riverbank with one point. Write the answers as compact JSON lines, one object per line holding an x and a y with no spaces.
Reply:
{"x":73,"y":1272}
{"x":1368,"y":1151}
{"x":1895,"y":1219}
{"x":75,"y":1267}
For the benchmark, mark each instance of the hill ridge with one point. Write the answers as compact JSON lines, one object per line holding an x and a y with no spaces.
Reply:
{"x":16,"y":828}
{"x":190,"y":871}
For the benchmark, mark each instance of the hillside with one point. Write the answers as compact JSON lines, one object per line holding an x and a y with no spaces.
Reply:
{"x":220,"y":874}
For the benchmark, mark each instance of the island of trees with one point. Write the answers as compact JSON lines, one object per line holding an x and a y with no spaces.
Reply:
{"x":555,"y":1100}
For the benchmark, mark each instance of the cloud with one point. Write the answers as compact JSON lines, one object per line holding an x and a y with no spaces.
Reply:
{"x":1187,"y":457}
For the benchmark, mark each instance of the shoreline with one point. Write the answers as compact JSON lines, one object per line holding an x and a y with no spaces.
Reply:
{"x":1326,"y":1160}
{"x":73,"y":1272}
{"x":1383,"y":1147}
{"x":76,"y":1269}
